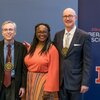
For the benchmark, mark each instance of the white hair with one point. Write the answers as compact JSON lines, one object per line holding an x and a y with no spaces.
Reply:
{"x":7,"y":22}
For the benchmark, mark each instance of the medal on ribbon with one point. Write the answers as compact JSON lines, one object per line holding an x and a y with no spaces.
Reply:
{"x":64,"y":51}
{"x":8,"y":66}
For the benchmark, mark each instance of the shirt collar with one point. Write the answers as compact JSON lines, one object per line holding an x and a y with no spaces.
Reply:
{"x":72,"y":30}
{"x":11,"y":43}
{"x":6,"y":43}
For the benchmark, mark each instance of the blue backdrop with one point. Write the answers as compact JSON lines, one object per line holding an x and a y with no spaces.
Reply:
{"x":27,"y":13}
{"x":89,"y":20}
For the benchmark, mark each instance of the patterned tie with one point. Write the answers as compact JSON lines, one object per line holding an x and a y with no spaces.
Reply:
{"x":66,"y":45}
{"x":8,"y":67}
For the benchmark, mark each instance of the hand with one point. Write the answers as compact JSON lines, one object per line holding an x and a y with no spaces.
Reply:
{"x":21,"y":92}
{"x":27,"y":45}
{"x":84,"y":89}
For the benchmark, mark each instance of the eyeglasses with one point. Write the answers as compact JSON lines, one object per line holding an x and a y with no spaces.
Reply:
{"x":10,"y":29}
{"x":69,"y":16}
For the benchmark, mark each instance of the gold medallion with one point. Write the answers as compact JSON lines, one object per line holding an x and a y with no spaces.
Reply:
{"x":8,"y":66}
{"x":64,"y":51}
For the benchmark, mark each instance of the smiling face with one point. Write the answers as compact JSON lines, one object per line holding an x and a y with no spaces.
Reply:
{"x":69,"y":18}
{"x":8,"y":31}
{"x":42,"y":33}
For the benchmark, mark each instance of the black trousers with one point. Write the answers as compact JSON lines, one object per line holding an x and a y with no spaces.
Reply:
{"x":65,"y":94}
{"x":69,"y":95}
{"x":8,"y":93}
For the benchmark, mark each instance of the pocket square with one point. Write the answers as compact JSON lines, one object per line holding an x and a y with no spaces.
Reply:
{"x":77,"y":44}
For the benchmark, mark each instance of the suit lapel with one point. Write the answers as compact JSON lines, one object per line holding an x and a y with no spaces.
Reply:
{"x":16,"y":50}
{"x":74,"y":39}
{"x":61,"y":41}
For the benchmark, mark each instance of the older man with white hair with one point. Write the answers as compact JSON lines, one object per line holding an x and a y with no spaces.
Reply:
{"x":13,"y":71}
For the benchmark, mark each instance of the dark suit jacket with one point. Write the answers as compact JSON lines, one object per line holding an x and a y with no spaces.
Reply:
{"x":75,"y":66}
{"x":20,"y":68}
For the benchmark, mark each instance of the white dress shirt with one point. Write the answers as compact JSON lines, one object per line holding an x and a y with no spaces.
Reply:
{"x":67,"y":38}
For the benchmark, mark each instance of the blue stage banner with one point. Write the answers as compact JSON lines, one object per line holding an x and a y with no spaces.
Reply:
{"x":89,"y":20}
{"x":28,"y":13}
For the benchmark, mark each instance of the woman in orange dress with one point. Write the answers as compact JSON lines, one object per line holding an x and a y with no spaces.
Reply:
{"x":42,"y":62}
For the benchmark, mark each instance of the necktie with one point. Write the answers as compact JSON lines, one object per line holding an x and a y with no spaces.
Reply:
{"x":67,"y":39}
{"x":66,"y":44}
{"x":8,"y":67}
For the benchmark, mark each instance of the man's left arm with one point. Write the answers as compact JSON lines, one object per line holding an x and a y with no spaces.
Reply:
{"x":24,"y":74}
{"x":86,"y":64}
